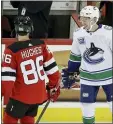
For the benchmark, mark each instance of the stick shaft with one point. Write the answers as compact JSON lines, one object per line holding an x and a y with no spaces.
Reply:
{"x":42,"y":113}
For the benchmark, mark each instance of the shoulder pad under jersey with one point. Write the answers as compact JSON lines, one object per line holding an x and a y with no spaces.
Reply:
{"x":19,"y":45}
{"x":107,"y":27}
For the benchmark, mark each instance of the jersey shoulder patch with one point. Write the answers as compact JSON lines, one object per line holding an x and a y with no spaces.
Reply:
{"x":19,"y":45}
{"x":107,"y":27}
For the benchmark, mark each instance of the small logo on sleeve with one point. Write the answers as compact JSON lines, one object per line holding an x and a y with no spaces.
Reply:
{"x":81,"y":40}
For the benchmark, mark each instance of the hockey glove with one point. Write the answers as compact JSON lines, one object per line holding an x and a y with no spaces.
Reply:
{"x":53,"y":92}
{"x":69,"y":78}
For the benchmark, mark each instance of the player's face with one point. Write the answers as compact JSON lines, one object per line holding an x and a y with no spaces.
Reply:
{"x":85,"y":21}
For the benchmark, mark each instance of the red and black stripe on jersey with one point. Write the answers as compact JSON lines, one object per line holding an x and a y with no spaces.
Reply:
{"x":49,"y":67}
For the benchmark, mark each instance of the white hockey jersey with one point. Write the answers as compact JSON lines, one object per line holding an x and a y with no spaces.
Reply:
{"x":94,"y":51}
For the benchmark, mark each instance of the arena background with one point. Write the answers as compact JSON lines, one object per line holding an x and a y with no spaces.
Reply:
{"x":66,"y":110}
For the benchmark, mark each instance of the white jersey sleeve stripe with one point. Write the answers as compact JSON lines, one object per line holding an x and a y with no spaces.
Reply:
{"x":49,"y":62}
{"x":7,"y":69}
{"x":73,"y":61}
{"x":75,"y":54}
{"x":8,"y":78}
{"x":53,"y":70}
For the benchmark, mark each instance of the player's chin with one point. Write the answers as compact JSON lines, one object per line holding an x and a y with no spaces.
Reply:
{"x":84,"y":25}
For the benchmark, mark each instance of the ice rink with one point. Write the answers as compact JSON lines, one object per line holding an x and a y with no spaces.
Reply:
{"x":70,"y":112}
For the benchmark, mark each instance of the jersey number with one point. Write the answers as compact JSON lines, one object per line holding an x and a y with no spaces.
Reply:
{"x":7,"y":58}
{"x":35,"y":70}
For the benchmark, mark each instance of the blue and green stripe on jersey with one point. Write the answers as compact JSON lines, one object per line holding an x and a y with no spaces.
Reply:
{"x":74,"y":62}
{"x":75,"y":58}
{"x":100,"y":75}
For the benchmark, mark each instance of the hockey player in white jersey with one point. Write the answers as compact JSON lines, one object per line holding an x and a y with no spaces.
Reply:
{"x":91,"y":54}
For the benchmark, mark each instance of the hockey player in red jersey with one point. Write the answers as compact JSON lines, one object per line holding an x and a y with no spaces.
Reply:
{"x":25,"y":64}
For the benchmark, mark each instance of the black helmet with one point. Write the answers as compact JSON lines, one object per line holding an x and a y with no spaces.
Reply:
{"x":23,"y":25}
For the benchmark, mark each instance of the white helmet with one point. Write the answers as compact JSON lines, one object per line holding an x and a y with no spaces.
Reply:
{"x":90,"y":11}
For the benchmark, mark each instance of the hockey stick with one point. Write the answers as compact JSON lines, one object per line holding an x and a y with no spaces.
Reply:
{"x":43,"y":111}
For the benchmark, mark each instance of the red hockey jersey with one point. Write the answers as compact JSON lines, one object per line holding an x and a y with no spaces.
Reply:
{"x":25,"y":64}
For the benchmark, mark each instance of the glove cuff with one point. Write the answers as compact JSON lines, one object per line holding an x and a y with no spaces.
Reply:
{"x":49,"y":87}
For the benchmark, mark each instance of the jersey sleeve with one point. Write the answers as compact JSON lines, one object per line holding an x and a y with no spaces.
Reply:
{"x":75,"y":55}
{"x":8,"y":74}
{"x":50,"y":67}
{"x":108,"y":36}
{"x":109,"y":39}
{"x":8,"y":70}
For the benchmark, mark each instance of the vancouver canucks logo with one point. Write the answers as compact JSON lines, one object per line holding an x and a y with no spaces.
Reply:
{"x":93,"y":55}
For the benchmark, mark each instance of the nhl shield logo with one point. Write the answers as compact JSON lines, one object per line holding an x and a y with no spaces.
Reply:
{"x":81,"y":40}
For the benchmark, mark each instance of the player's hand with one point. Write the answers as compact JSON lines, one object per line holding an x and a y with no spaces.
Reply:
{"x":68,"y":78}
{"x":53,"y":92}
